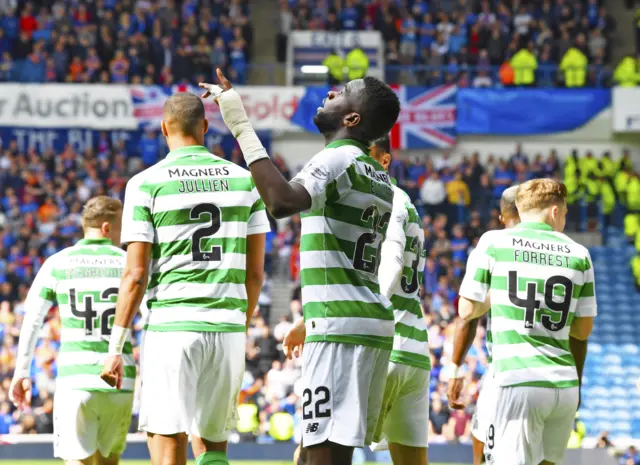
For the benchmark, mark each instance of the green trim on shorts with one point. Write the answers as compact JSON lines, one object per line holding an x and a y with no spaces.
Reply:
{"x":377,"y":342}
{"x":197,"y":327}
{"x":409,"y":358}
{"x":107,"y":391}
{"x":549,"y":384}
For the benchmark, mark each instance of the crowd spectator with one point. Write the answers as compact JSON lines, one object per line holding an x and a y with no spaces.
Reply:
{"x":124,"y":42}
{"x":459,"y":41}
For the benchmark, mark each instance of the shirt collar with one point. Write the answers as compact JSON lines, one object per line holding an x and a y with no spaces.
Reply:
{"x":188,"y":150}
{"x":535,"y":225}
{"x":95,"y":242}
{"x":342,"y":142}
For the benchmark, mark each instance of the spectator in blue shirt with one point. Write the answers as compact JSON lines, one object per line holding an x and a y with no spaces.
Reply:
{"x":10,"y":26}
{"x":408,"y":39}
{"x":630,"y":457}
{"x":33,"y":69}
{"x":502,"y":178}
{"x":427,"y":32}
{"x":459,"y":244}
{"x":457,"y":40}
{"x":349,"y":16}
{"x":6,"y":418}
{"x":149,"y":148}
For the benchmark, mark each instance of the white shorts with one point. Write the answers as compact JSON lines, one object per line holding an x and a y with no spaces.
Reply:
{"x":85,"y":422}
{"x":343,"y":386}
{"x":482,"y":415}
{"x":404,"y":416}
{"x":530,"y":424}
{"x":191,"y":382}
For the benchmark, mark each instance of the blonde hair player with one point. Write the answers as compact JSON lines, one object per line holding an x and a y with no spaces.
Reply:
{"x":90,"y":419}
{"x":541,"y":288}
{"x":464,"y":337}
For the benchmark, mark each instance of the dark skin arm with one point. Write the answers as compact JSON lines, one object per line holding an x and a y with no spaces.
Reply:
{"x":578,"y":349}
{"x":282,"y":198}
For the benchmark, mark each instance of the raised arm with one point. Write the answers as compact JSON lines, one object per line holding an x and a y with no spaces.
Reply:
{"x":282,"y":198}
{"x":392,"y":250}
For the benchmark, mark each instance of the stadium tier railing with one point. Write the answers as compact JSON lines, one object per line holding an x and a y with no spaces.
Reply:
{"x":546,"y":76}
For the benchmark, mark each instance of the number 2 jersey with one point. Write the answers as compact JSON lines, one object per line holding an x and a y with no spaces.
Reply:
{"x":351,"y":202}
{"x":538,"y":281}
{"x":410,"y":342}
{"x":84,"y":281}
{"x":196,"y":209}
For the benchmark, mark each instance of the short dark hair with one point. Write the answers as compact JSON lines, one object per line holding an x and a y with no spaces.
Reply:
{"x":508,"y":203}
{"x":379,"y":108}
{"x":383,"y":143}
{"x":183,"y":112}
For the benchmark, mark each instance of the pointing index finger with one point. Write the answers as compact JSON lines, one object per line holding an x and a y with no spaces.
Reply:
{"x":224,"y":82}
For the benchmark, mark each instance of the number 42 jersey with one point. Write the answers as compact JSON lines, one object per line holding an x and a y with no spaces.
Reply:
{"x":196,"y":210}
{"x":84,"y":281}
{"x":538,"y":281}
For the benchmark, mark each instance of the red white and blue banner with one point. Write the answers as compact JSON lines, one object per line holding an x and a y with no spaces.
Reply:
{"x":427,"y":118}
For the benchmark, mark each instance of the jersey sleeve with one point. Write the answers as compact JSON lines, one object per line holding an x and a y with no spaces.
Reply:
{"x":39,"y":300}
{"x":477,"y":278}
{"x":587,"y":306}
{"x":258,"y":220}
{"x":137,"y":222}
{"x":325,"y":177}
{"x":396,"y":230}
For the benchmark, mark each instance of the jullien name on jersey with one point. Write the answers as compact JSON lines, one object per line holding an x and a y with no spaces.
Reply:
{"x":202,"y":183}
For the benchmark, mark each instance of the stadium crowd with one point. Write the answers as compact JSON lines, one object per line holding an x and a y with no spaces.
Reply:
{"x":107,"y":41}
{"x":479,"y":43}
{"x":41,"y":196}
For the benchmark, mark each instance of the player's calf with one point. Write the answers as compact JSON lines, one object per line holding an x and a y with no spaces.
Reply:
{"x":407,"y":455}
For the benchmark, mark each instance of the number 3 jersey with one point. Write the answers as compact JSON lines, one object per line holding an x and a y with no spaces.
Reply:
{"x":84,"y":281}
{"x":411,"y":341}
{"x":538,"y":281}
{"x":196,"y":210}
{"x":351,"y":202}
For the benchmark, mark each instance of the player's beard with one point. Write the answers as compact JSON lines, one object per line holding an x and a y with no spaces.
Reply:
{"x":327,"y":122}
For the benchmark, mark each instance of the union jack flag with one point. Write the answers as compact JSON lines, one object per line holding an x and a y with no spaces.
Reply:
{"x":148,"y":106}
{"x":427,"y":117}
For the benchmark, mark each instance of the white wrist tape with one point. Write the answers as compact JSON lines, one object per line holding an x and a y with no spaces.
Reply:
{"x":455,"y":371}
{"x":119,"y":336}
{"x":236,"y":119}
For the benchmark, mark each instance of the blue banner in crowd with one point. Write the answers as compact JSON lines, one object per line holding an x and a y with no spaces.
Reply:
{"x":132,"y":142}
{"x":504,"y":112}
{"x":308,"y":107}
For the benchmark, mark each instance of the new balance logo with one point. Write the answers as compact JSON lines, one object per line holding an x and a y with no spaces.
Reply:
{"x":312,"y":428}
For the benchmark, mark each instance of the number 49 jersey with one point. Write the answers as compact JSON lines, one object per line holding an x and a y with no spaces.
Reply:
{"x":538,"y":281}
{"x":196,"y":210}
{"x":84,"y":281}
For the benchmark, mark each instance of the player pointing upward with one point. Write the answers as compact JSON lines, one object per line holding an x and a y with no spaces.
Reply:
{"x":347,"y":198}
{"x":464,"y":336}
{"x":196,"y":228}
{"x":541,"y":289}
{"x":90,"y":419}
